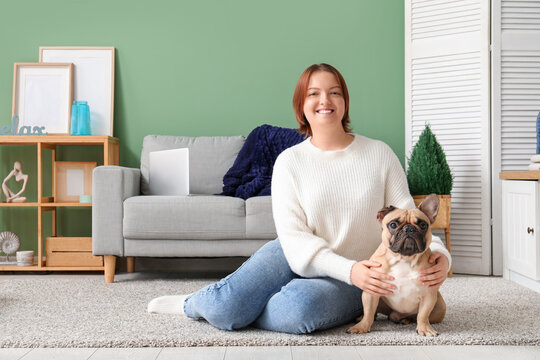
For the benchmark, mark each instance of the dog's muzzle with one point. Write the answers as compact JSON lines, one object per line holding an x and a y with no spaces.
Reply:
{"x":408,"y":241}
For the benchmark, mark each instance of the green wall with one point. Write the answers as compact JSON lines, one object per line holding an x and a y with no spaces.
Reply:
{"x":212,"y":67}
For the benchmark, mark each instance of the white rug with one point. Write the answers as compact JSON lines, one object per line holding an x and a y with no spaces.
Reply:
{"x":86,"y":312}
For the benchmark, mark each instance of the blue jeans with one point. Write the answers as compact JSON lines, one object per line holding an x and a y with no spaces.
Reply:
{"x":266,"y":294}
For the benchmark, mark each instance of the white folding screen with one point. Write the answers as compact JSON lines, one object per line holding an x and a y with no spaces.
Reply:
{"x":515,"y":96}
{"x":447,"y":85}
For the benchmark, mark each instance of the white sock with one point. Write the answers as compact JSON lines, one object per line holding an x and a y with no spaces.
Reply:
{"x":172,"y":304}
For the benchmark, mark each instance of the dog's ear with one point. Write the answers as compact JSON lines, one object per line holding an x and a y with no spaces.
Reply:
{"x":430,"y":207}
{"x":382,"y":213}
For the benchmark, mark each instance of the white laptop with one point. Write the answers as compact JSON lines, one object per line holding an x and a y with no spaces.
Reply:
{"x":169,"y":172}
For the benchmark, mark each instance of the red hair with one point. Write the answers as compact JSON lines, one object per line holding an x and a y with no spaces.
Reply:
{"x":299,"y":97}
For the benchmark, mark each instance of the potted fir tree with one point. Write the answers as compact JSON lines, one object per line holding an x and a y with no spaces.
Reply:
{"x":429,"y":173}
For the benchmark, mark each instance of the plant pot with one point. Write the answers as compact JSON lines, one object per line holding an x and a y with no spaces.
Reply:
{"x":443,"y":216}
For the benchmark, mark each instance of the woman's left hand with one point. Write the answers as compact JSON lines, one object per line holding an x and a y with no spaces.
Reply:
{"x":435,"y":275}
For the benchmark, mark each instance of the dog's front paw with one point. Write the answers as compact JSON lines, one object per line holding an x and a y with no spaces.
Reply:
{"x":361,"y":328}
{"x":426,"y":330}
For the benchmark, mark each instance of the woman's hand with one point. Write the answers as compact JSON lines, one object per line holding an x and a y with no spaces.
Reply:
{"x":371,"y":281}
{"x":435,"y":275}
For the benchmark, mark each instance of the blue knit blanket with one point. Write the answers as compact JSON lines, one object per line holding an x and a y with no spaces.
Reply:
{"x":251,"y":173}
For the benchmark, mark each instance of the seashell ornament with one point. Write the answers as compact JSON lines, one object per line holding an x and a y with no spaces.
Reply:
{"x":9,"y":243}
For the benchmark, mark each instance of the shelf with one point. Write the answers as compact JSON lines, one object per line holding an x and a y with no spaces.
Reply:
{"x":57,"y":139}
{"x":73,"y":268}
{"x":47,"y":204}
{"x":59,"y":204}
{"x":35,"y":267}
{"x":28,"y":204}
{"x":18,"y":268}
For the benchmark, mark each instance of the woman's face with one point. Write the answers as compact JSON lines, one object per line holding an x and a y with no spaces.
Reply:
{"x":324,"y":105}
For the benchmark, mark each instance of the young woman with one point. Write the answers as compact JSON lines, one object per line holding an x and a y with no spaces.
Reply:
{"x":326,"y":192}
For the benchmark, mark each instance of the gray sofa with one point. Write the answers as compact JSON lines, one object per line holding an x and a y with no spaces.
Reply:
{"x":127,"y":222}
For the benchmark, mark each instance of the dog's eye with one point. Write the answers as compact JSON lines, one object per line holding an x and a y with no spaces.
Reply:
{"x":393,"y":225}
{"x":423,"y":225}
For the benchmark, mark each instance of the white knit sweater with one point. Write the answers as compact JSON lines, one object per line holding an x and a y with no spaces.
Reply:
{"x":325,"y":204}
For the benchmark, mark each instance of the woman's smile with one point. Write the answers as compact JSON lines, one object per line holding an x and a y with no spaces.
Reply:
{"x":325,"y":111}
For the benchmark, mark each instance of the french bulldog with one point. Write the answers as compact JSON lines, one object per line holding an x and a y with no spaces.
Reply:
{"x":404,"y":251}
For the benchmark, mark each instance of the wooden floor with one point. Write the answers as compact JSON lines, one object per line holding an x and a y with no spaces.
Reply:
{"x":281,"y":353}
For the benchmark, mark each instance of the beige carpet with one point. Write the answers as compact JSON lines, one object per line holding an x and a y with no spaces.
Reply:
{"x":86,"y":312}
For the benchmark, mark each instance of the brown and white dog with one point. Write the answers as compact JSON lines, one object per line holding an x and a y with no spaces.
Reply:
{"x":404,"y":251}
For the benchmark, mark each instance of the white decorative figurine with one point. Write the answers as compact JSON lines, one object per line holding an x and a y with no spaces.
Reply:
{"x":19,"y":176}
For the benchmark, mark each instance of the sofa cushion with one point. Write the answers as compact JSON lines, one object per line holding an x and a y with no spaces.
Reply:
{"x":184,"y":217}
{"x":259,"y":219}
{"x":209,"y":159}
{"x":192,"y":248}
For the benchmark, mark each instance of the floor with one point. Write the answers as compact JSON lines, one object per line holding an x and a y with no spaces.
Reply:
{"x":281,"y":353}
{"x":259,"y":353}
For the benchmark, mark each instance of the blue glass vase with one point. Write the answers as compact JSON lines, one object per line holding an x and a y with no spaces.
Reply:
{"x":74,"y":126}
{"x":83,"y":118}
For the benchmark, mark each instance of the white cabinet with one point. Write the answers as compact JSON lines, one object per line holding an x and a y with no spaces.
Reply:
{"x":520,"y":230}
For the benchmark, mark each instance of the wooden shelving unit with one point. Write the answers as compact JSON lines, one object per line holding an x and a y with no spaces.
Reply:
{"x":45,"y":204}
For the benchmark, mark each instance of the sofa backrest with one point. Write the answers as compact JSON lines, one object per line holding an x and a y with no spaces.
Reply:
{"x":210,"y":157}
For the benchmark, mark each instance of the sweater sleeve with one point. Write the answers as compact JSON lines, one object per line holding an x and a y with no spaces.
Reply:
{"x":308,"y":255}
{"x":397,"y":194}
{"x":396,"y":191}
{"x":438,"y":246}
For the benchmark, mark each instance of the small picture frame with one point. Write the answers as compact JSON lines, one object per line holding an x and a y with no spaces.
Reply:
{"x":72,"y":179}
{"x":93,"y":80}
{"x":42,"y":96}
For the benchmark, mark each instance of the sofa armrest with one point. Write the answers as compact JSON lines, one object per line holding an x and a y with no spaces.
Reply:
{"x":111,"y":185}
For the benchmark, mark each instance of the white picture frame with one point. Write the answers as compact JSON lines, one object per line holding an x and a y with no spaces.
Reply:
{"x":72,"y":179}
{"x":93,"y":80}
{"x":42,"y":96}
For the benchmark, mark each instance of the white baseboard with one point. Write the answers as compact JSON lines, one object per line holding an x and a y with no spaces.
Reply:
{"x":524,"y":281}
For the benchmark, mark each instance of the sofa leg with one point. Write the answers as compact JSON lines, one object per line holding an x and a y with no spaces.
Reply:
{"x":110,"y":266}
{"x":130,"y":264}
